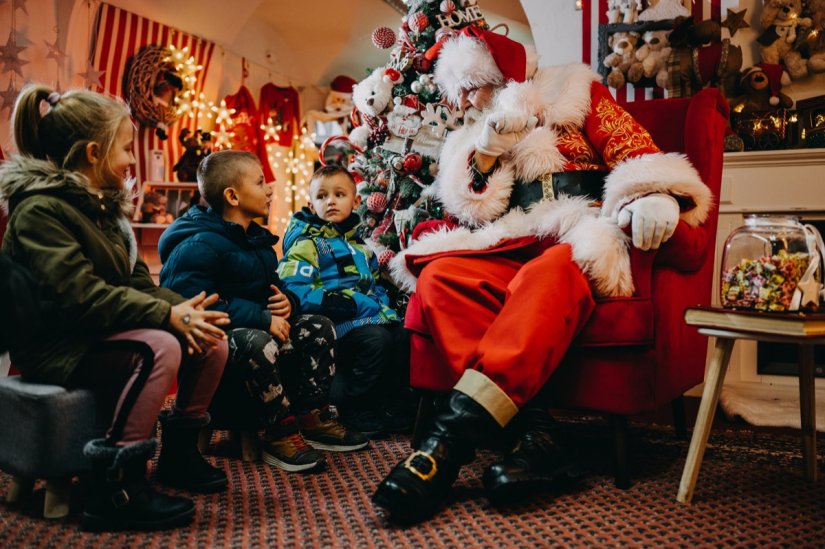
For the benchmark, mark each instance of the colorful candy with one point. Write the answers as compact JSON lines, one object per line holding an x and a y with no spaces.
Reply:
{"x":766,"y":283}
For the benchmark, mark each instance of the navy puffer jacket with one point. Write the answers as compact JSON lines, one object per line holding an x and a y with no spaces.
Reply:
{"x":200,"y":251}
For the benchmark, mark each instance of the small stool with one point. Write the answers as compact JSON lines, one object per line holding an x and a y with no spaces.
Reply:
{"x":43,"y":429}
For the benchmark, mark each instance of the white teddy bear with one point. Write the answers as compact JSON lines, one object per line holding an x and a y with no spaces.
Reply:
{"x":623,"y":11}
{"x":373,"y":94}
{"x":653,"y":56}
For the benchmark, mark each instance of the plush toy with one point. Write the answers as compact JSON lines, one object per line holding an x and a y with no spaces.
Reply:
{"x":373,"y":94}
{"x":703,"y":59}
{"x":622,"y":56}
{"x":339,"y":100}
{"x":623,"y":11}
{"x":652,"y":58}
{"x":664,"y":9}
{"x":814,"y":39}
{"x":780,"y":19}
{"x":154,"y":208}
{"x":761,"y":85}
{"x":196,"y":145}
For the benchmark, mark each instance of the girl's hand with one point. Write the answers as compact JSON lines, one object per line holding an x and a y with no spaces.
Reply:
{"x":197,"y":325}
{"x":278,"y":303}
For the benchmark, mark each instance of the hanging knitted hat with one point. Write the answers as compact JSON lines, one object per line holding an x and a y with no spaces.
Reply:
{"x":476,"y":57}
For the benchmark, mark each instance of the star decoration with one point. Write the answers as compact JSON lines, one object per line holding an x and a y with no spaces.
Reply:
{"x":810,"y":292}
{"x":92,"y":76}
{"x":55,"y":53}
{"x":9,"y":97}
{"x":735,"y":21}
{"x":9,"y":55}
{"x":20,"y":4}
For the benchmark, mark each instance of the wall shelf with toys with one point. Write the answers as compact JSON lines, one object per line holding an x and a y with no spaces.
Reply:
{"x":161,"y":202}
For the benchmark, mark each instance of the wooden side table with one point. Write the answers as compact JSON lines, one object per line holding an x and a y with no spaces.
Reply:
{"x":727,"y":326}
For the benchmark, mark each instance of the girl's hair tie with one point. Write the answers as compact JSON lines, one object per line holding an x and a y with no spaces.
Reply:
{"x":53,"y":98}
{"x":46,"y":105}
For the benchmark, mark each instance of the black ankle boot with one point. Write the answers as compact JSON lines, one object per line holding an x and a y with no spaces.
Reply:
{"x":181,"y":464}
{"x":418,"y":486}
{"x":120,"y":497}
{"x":535,"y":464}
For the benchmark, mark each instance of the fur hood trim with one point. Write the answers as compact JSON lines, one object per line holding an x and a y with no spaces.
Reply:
{"x":669,"y":173}
{"x":26,"y":174}
{"x":599,"y":246}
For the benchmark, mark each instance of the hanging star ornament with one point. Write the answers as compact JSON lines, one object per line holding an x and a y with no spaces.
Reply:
{"x":735,"y":21}
{"x":55,"y":53}
{"x":92,"y":76}
{"x":10,"y":56}
{"x":9,"y":96}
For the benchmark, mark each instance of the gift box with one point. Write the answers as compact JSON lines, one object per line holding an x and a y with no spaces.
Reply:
{"x":766,"y":130}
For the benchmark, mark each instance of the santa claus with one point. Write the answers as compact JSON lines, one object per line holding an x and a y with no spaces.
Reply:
{"x":540,"y":182}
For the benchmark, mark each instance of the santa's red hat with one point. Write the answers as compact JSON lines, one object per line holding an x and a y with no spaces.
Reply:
{"x":476,"y":57}
{"x":342,"y":85}
{"x":777,"y":78}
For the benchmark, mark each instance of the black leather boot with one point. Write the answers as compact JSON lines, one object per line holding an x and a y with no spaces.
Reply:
{"x":181,"y":464}
{"x":120,"y":497}
{"x":416,"y":488}
{"x":535,"y":464}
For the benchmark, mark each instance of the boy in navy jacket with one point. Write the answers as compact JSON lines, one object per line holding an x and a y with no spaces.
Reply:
{"x":285,"y":357}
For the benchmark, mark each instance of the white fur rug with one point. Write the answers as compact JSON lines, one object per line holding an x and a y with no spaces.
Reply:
{"x":772,"y":406}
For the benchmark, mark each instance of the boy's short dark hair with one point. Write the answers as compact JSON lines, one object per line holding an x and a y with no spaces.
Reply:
{"x":218,"y":171}
{"x":329,"y":171}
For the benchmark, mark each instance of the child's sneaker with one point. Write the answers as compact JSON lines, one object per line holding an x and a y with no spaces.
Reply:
{"x":292,"y":453}
{"x":324,"y":432}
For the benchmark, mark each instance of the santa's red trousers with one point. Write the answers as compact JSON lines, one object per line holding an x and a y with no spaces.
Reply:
{"x":510,"y":316}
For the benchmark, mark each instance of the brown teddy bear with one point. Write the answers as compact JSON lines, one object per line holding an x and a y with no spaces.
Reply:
{"x":813,"y":42}
{"x":761,"y":86}
{"x":703,"y":58}
{"x":154,"y":208}
{"x":780,"y":19}
{"x":622,"y":56}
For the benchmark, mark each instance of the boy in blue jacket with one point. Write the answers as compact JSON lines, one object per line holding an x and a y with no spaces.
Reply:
{"x":333,"y":273}
{"x":285,"y":357}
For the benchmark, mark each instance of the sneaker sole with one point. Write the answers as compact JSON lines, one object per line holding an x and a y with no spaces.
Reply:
{"x":337,"y":447}
{"x":290,"y":467}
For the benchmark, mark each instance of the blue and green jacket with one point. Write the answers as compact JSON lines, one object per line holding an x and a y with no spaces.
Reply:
{"x":333,"y":273}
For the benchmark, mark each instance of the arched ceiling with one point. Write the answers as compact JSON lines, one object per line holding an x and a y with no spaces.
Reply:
{"x":308,"y":41}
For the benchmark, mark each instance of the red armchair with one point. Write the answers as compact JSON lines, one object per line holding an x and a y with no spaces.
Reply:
{"x":635,"y":353}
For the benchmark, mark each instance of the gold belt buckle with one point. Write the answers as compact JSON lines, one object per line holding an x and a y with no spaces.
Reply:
{"x":423,"y":476}
{"x":547,"y":186}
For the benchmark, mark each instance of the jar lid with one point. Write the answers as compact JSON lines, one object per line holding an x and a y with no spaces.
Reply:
{"x":764,"y":220}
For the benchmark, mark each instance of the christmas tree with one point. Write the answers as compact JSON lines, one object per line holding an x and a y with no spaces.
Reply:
{"x":401,"y":123}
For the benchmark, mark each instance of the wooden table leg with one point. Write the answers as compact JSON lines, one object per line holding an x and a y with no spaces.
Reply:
{"x":704,"y":419}
{"x":807,"y":409}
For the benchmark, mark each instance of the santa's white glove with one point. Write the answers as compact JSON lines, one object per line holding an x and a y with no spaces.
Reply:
{"x":654,"y":219}
{"x":502,"y":131}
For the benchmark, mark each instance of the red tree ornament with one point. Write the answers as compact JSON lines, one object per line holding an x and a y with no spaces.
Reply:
{"x":418,"y":22}
{"x":447,"y":7}
{"x":384,"y":258}
{"x":412,"y":162}
{"x":383,"y":38}
{"x":377,"y":202}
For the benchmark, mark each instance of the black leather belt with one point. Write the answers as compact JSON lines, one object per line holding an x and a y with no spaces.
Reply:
{"x":587,"y":183}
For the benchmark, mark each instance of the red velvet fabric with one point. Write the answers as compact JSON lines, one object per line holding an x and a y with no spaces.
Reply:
{"x":635,"y":353}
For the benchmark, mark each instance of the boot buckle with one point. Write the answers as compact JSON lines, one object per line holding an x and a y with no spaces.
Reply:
{"x":120,"y":498}
{"x":423,"y":476}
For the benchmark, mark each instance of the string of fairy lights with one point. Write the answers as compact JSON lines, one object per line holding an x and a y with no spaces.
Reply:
{"x":294,"y":163}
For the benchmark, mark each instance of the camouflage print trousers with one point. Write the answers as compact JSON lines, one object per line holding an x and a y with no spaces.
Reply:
{"x":289,"y":377}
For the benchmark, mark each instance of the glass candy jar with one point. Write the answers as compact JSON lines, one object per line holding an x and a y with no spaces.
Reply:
{"x":763,"y":262}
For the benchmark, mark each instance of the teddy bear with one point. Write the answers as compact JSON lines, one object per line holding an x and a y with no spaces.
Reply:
{"x":373,"y":94}
{"x":718,"y":60}
{"x":761,"y":85}
{"x":664,"y":9}
{"x":622,"y":56}
{"x":780,"y":19}
{"x":154,"y":208}
{"x":814,"y":39}
{"x":652,"y":58}
{"x":623,"y":11}
{"x":196,"y":146}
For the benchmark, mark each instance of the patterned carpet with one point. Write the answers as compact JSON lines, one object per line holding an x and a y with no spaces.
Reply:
{"x":750,"y":492}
